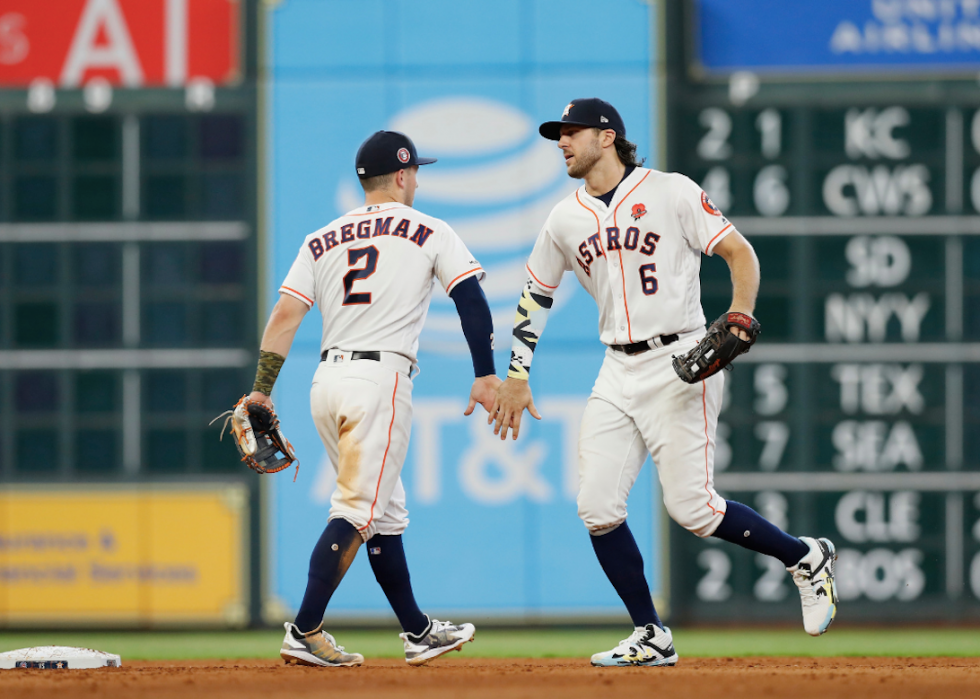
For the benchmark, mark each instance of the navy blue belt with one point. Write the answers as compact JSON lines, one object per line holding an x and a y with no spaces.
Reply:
{"x":640,"y":347}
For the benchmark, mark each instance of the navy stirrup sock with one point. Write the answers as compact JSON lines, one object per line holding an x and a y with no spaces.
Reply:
{"x":387,"y":556}
{"x":622,"y":562}
{"x":331,"y":558}
{"x":744,"y":526}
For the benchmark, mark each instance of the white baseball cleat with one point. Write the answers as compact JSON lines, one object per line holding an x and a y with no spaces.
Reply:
{"x":316,"y":648}
{"x":647,"y":646}
{"x":814,"y":575}
{"x":438,"y":638}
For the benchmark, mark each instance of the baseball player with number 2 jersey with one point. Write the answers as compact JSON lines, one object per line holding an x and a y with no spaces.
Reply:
{"x":634,"y":237}
{"x":372,"y":273}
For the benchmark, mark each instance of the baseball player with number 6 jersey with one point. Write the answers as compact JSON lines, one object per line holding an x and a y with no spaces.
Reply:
{"x":634,"y":237}
{"x":372,"y":273}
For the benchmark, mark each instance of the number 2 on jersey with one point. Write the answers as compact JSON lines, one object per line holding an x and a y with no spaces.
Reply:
{"x":353,"y":257}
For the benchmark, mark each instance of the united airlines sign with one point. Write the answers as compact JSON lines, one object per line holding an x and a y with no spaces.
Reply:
{"x":845,"y":36}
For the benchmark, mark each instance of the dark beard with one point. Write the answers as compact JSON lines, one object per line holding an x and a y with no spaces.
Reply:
{"x":585,"y":162}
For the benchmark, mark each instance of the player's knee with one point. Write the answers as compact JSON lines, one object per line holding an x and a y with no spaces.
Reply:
{"x":597,"y":515}
{"x":699,"y":519}
{"x":598,"y":526}
{"x":366,"y":529}
{"x":392,"y":528}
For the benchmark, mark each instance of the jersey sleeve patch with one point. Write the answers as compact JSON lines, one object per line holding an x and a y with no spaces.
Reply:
{"x":709,"y":205}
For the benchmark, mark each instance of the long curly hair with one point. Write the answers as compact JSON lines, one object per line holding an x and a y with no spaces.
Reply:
{"x":626,"y":150}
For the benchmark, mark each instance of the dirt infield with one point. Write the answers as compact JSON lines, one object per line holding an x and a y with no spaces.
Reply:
{"x":511,"y":679}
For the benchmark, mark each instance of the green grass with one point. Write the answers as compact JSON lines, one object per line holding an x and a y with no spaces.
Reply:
{"x":501,"y":643}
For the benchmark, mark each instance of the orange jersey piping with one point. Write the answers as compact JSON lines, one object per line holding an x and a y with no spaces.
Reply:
{"x":475,"y":269}
{"x":293,"y":291}
{"x":711,"y":242}
{"x":541,"y":283}
{"x":704,"y":405}
{"x":384,"y":458}
{"x":622,"y":270}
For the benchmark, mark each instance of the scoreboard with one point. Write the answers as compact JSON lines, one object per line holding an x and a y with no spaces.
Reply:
{"x":856,"y":415}
{"x":128,"y":215}
{"x":129,"y":246}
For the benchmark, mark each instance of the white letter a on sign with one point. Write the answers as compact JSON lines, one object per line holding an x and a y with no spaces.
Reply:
{"x":117,"y":53}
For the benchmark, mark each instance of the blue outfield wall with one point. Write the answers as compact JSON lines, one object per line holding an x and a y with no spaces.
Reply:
{"x":494,"y":530}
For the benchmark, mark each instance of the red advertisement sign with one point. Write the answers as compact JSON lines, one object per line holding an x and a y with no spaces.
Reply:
{"x":131,"y":43}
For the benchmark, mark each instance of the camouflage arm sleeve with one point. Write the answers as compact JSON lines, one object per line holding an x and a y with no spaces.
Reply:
{"x":532,"y":316}
{"x":265,"y":376}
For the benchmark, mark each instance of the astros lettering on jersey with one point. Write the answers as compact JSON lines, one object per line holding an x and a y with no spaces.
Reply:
{"x":652,"y":235}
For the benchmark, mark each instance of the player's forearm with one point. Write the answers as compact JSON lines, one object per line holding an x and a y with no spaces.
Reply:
{"x":283,"y":323}
{"x":529,"y":323}
{"x":278,"y":337}
{"x":744,"y":265}
{"x":477,"y":323}
{"x":745,"y":280}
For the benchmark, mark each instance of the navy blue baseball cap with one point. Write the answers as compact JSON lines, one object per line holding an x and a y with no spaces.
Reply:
{"x":587,"y":111}
{"x":387,"y":151}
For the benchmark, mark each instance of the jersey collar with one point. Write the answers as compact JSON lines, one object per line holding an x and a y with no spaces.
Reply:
{"x":624,"y":188}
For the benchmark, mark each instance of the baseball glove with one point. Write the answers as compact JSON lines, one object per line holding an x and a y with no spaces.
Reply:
{"x":255,"y":428}
{"x":718,"y":348}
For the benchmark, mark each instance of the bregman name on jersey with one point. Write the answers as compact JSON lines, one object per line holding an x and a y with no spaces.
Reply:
{"x":366,"y":230}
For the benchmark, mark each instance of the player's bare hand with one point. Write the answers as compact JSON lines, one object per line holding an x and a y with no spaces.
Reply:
{"x":484,"y":392}
{"x":260,"y":398}
{"x":513,"y":396}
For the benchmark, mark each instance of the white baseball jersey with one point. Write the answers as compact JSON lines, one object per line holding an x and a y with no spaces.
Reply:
{"x":371,"y":272}
{"x":639,"y":257}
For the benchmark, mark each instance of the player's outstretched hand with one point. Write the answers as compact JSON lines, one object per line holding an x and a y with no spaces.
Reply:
{"x":513,"y":395}
{"x":484,"y":392}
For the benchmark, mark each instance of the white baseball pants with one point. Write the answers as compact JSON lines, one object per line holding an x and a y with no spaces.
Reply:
{"x":362,"y":410}
{"x":639,"y":406}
